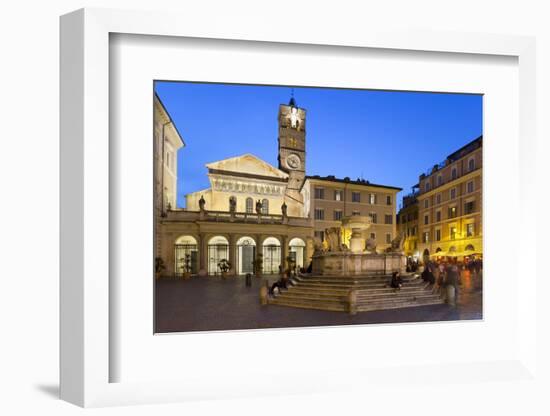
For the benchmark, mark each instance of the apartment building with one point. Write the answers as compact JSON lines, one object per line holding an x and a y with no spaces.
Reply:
{"x":329,"y":199}
{"x":450,"y":205}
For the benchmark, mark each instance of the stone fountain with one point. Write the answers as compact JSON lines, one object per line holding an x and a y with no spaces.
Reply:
{"x":361,"y":257}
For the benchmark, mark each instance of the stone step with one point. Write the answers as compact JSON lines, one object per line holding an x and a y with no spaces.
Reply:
{"x":360,"y":293}
{"x":337,"y":307}
{"x":396,"y":300}
{"x":378,"y":307}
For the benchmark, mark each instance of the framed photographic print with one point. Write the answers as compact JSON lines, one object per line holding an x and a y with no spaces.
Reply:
{"x":229,"y":200}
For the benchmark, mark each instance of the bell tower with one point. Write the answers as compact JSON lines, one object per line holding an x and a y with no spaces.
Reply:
{"x":292,"y":146}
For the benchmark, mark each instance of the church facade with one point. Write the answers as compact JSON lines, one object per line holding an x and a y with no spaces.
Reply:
{"x":255,"y":215}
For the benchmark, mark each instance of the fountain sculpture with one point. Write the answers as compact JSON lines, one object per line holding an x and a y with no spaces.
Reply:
{"x":361,"y":257}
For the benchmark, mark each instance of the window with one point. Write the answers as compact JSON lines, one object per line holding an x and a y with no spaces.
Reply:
{"x":292,"y":142}
{"x":337,"y":214}
{"x":403,"y":219}
{"x":438,"y":216}
{"x":452,"y":212}
{"x":249,"y":206}
{"x":452,"y":232}
{"x":373,"y":236}
{"x":388,"y":219}
{"x":356,"y":197}
{"x":265,"y":207}
{"x":427,"y":186}
{"x":471,"y":164}
{"x":426,"y":203}
{"x":388,"y":238}
{"x":438,"y":198}
{"x":426,"y":220}
{"x":469,"y":207}
{"x":453,"y":173}
{"x":356,"y":213}
{"x":319,"y":214}
{"x":470,"y":230}
{"x":319,"y":193}
{"x":320,"y":235}
{"x":437,"y":235}
{"x":439,"y":180}
{"x":470,"y":187}
{"x":372,"y":199}
{"x":452,"y":193}
{"x":426,"y":237}
{"x":373,"y":217}
{"x":388,"y":199}
{"x":338,"y":195}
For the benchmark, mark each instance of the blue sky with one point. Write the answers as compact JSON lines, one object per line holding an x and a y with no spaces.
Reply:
{"x":386,"y":137}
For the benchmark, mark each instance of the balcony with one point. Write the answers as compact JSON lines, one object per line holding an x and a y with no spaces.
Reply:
{"x":182,"y":215}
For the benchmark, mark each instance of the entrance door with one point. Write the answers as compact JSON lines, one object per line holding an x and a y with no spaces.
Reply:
{"x":247,"y":257}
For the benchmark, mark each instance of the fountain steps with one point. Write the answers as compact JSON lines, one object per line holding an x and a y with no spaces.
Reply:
{"x":372,"y":294}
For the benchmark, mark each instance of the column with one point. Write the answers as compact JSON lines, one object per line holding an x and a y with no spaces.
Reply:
{"x":232,"y":254}
{"x":203,"y":255}
{"x":259,"y":252}
{"x":284,"y":252}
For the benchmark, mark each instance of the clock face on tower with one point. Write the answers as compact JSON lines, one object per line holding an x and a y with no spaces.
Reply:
{"x":293,"y":161}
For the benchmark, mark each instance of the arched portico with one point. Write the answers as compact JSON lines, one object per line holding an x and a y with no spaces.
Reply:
{"x":271,"y":255}
{"x":297,"y":251}
{"x":186,"y":255}
{"x":246,"y":253}
{"x":218,"y":249}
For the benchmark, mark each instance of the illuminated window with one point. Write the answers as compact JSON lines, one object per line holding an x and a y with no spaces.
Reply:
{"x":470,"y":230}
{"x":338,"y":195}
{"x":373,"y":217}
{"x":426,"y":237}
{"x":452,"y":232}
{"x":452,"y":212}
{"x":372,"y":199}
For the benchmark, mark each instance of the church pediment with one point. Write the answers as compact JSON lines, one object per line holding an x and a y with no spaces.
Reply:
{"x":247,"y":165}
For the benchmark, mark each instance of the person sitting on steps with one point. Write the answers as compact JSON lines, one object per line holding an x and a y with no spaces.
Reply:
{"x":281,"y":284}
{"x":396,"y":281}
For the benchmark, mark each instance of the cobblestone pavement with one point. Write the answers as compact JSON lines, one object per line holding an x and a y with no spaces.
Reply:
{"x":207,"y":304}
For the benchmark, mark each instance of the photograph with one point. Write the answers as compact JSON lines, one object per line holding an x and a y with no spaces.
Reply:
{"x":290,"y":206}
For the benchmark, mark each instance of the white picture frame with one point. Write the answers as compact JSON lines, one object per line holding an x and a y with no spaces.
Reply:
{"x":85,"y":214}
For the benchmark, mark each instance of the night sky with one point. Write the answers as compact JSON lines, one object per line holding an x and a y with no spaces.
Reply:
{"x":386,"y":137}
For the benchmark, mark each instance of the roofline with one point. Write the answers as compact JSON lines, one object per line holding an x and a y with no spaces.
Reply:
{"x":337,"y":180}
{"x":170,"y":118}
{"x":453,"y":155}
